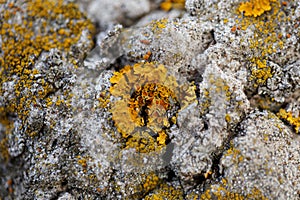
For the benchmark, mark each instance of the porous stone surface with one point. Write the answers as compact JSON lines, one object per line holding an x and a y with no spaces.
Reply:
{"x":266,"y":158}
{"x":125,"y":100}
{"x":105,"y":12}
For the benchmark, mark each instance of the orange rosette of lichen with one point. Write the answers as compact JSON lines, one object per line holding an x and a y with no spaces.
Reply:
{"x":255,"y":7}
{"x":149,"y":102}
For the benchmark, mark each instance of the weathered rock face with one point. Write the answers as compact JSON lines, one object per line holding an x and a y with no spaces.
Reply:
{"x":203,"y":103}
{"x":263,"y":157}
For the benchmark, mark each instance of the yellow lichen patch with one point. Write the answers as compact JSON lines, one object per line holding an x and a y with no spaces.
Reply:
{"x":193,"y":196}
{"x":24,"y":40}
{"x":151,"y":182}
{"x":148,"y":182}
{"x":227,"y":118}
{"x":221,"y":192}
{"x":260,"y":71}
{"x":142,"y":141}
{"x":255,"y":7}
{"x":4,"y":149}
{"x":169,"y":4}
{"x":83,"y":162}
{"x":8,"y":126}
{"x":165,"y":192}
{"x":158,"y":25}
{"x":291,"y":118}
{"x":148,"y":105}
{"x":266,"y":39}
{"x":235,"y":155}
{"x":103,"y":99}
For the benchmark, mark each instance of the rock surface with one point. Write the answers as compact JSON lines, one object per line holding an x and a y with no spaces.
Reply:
{"x":146,"y":100}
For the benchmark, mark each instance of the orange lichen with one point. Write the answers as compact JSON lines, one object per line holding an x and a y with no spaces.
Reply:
{"x":255,"y":7}
{"x":291,"y":118}
{"x":147,"y":183}
{"x":233,"y":29}
{"x":147,"y":55}
{"x":150,"y":100}
{"x":169,"y":4}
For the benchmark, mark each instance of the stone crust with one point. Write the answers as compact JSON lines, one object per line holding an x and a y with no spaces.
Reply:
{"x":239,"y":138}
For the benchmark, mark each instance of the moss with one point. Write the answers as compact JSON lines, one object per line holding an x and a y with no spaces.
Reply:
{"x":148,"y":105}
{"x":24,"y":41}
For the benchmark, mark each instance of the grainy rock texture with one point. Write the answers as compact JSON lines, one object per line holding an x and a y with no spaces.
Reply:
{"x":148,"y":100}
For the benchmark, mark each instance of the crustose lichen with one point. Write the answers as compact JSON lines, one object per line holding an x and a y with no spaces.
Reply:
{"x":149,"y":102}
{"x":255,"y":7}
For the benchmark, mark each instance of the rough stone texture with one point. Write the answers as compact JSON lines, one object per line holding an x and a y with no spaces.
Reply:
{"x":202,"y":133}
{"x":106,"y":12}
{"x":284,"y":83}
{"x":267,"y":158}
{"x":237,"y":139}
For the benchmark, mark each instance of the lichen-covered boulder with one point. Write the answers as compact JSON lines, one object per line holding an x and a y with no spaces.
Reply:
{"x":198,"y":103}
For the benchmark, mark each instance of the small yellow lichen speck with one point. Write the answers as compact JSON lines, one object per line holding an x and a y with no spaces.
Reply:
{"x":222,"y":192}
{"x":150,"y":100}
{"x":158,"y":25}
{"x":169,"y":4}
{"x":290,"y":118}
{"x":104,"y":99}
{"x":260,"y":71}
{"x":227,"y":118}
{"x":235,"y":155}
